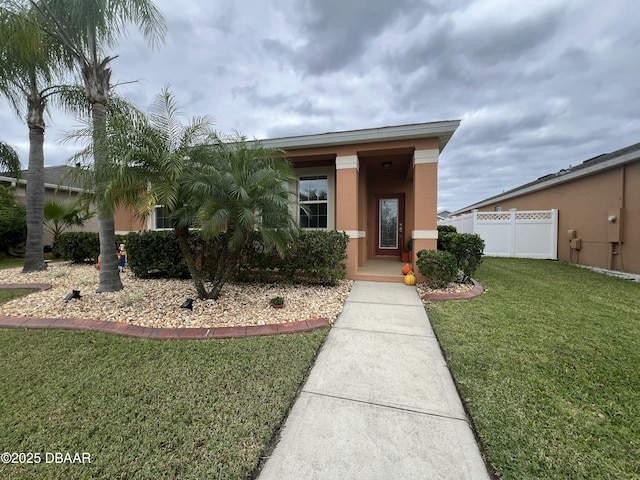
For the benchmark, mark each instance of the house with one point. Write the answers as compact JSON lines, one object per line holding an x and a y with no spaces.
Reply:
{"x":598,"y":203}
{"x":378,"y":185}
{"x":59,"y":184}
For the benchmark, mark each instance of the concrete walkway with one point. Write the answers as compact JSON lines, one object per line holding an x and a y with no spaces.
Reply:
{"x":379,"y":402}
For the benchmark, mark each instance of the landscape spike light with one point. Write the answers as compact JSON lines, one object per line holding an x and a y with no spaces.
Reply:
{"x":72,"y":295}
{"x":188,"y":303}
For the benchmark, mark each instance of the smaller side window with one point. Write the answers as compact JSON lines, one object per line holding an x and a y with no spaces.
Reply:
{"x":161,"y":218}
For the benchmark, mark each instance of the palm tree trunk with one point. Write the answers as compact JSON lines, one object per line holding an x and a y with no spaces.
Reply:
{"x":109,"y":280}
{"x":34,"y":255}
{"x":183,"y":240}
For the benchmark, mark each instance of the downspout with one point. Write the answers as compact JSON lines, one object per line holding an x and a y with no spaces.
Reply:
{"x":622,"y":199}
{"x":613,"y":251}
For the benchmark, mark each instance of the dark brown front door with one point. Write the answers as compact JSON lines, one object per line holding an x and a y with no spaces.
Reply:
{"x":389,"y":224}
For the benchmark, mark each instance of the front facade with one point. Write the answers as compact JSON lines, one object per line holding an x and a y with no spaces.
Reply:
{"x":377,"y":185}
{"x":598,"y":205}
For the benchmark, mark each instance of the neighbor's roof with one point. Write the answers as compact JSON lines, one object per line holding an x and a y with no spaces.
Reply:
{"x":588,"y":167}
{"x":443,"y":130}
{"x":57,"y":177}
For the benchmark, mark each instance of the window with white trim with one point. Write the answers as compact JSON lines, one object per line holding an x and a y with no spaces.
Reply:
{"x":313,"y":195}
{"x":161,"y":219}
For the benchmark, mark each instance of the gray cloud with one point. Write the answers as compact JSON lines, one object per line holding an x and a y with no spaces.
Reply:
{"x":538,"y":86}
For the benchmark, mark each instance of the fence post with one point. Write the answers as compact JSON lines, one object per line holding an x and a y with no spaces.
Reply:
{"x":474,"y":220}
{"x":554,"y":233}
{"x":512,"y":232}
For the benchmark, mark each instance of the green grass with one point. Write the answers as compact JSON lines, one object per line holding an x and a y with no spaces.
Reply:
{"x":547,"y":362}
{"x":11,"y":293}
{"x":11,"y":262}
{"x":146,"y":409}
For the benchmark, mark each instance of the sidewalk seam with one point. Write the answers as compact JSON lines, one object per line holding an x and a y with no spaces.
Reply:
{"x":391,"y":407}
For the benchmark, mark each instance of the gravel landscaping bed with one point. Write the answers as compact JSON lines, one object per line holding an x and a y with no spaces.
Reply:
{"x":156,"y":303}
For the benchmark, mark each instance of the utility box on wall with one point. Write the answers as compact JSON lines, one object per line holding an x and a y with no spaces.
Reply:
{"x":576,"y":243}
{"x":614,"y":225}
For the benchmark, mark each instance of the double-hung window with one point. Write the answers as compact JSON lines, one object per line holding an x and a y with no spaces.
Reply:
{"x":313,"y":195}
{"x":161,"y":218}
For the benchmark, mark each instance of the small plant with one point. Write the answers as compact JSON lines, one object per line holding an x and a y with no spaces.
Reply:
{"x":277,"y":302}
{"x":440,"y":268}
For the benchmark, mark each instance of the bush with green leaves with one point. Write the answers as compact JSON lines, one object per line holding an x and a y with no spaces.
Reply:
{"x":439,"y":267}
{"x":82,"y":247}
{"x":155,"y":254}
{"x":316,"y":257}
{"x":444,"y":237}
{"x":468,"y":249}
{"x":13,"y":221}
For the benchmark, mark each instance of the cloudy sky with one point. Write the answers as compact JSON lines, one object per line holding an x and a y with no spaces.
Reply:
{"x":538,"y":85}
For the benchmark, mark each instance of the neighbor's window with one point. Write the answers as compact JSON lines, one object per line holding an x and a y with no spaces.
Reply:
{"x":161,"y":218}
{"x":498,"y":208}
{"x":313,"y":193}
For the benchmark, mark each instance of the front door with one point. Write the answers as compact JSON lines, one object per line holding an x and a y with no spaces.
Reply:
{"x":389,"y":224}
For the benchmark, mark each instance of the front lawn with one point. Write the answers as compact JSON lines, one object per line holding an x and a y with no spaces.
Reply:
{"x":143,"y":408}
{"x":547,"y":361}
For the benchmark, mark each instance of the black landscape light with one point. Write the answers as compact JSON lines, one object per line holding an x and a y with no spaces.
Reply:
{"x":188,"y":303}
{"x":72,"y":295}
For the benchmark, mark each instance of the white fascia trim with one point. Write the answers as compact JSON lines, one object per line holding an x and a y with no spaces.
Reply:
{"x":443,"y":130}
{"x":425,"y":156}
{"x":348,"y":161}
{"x":424,"y":234}
{"x":567,"y":177}
{"x":355,"y":233}
{"x":22,"y":181}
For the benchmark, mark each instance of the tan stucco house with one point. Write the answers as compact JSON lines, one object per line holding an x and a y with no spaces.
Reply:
{"x":378,"y":185}
{"x":598,"y":203}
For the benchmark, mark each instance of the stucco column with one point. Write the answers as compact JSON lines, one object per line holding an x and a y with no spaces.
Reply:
{"x":425,"y":191}
{"x":347,"y":169}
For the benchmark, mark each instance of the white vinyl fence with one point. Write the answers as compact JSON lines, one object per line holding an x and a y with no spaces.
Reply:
{"x":524,"y":233}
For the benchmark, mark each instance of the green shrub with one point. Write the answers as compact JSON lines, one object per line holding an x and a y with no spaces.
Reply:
{"x":13,"y":221}
{"x":468,"y":249}
{"x":440,"y":268}
{"x":79,"y":247}
{"x":317,"y":257}
{"x":155,"y":254}
{"x":447,"y":229}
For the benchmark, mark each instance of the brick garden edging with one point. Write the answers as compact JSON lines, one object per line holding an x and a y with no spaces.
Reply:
{"x":137,"y":331}
{"x":474,"y":292}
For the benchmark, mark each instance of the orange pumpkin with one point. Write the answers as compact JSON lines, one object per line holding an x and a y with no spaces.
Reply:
{"x":406,"y":269}
{"x":410,"y":279}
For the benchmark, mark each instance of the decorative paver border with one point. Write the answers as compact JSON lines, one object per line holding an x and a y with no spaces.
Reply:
{"x":474,"y":292}
{"x":137,"y":331}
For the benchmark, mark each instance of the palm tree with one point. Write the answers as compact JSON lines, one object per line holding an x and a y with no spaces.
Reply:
{"x":30,"y":59}
{"x":9,"y":160}
{"x":243,"y":193}
{"x":86,"y":28}
{"x":229,"y":189}
{"x":59,"y":216}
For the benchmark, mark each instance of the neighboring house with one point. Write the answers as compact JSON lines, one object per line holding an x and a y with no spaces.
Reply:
{"x":443,"y":215}
{"x":59,"y":185}
{"x":379,"y":185}
{"x":598,"y":203}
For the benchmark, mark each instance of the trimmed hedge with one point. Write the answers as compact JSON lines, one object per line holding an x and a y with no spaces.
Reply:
{"x":153,"y":254}
{"x":82,"y":247}
{"x":468,"y":249}
{"x":317,"y":257}
{"x":439,"y":267}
